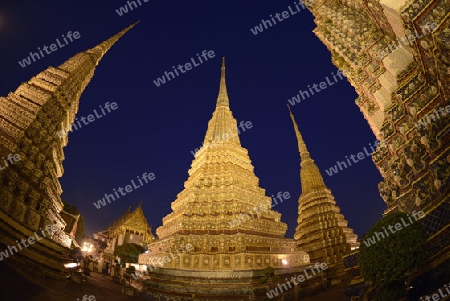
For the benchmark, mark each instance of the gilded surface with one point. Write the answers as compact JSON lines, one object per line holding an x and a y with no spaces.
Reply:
{"x":398,"y":88}
{"x":221,"y":187}
{"x":30,"y":117}
{"x":322,"y":230}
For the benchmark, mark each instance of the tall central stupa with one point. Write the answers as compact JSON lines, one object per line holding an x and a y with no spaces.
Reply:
{"x":223,"y":214}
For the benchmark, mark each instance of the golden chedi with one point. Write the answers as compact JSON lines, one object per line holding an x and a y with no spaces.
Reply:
{"x":203,"y":232}
{"x":322,"y":230}
{"x":30,"y":192}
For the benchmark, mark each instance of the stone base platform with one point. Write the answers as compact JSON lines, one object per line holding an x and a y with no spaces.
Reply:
{"x":44,"y":257}
{"x":182,"y":285}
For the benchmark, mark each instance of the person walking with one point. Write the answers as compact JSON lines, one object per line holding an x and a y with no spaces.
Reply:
{"x":104,"y":268}
{"x":100,"y":266}
{"x":86,"y":269}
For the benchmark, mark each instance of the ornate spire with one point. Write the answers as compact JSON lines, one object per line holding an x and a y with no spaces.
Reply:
{"x":97,"y":52}
{"x":103,"y":47}
{"x":35,"y":119}
{"x":319,"y":218}
{"x":222,"y":209}
{"x":222,"y":127}
{"x":309,"y":174}
{"x":222,"y":99}
{"x":220,"y":179}
{"x":304,"y":154}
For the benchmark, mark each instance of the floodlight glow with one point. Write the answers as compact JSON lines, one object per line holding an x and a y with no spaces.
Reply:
{"x":70,"y":265}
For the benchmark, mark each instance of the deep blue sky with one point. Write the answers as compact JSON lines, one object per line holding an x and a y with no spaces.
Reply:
{"x":155,"y":129}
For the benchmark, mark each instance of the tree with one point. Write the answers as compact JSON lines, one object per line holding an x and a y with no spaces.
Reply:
{"x":390,"y":252}
{"x":129,"y":252}
{"x":269,"y":275}
{"x":269,"y":272}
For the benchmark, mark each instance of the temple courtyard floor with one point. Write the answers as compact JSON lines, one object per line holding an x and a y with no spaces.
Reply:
{"x":17,"y":285}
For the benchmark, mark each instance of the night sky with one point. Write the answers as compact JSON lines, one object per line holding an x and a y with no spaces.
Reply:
{"x":154,"y":129}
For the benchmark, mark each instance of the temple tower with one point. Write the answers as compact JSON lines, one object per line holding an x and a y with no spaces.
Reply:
{"x":222,"y":232}
{"x":30,"y":119}
{"x":322,"y":230}
{"x":396,"y":54}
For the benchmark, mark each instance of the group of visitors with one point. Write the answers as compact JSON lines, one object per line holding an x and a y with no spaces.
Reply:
{"x":106,"y":268}
{"x":87,"y":260}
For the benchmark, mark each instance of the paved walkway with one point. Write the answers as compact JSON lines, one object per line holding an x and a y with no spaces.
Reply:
{"x":16,"y":285}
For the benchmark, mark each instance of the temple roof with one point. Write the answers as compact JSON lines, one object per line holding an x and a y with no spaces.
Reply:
{"x":134,"y":220}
